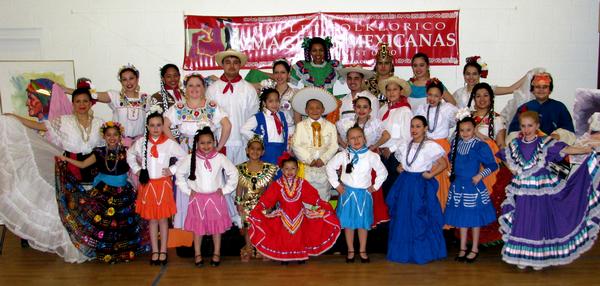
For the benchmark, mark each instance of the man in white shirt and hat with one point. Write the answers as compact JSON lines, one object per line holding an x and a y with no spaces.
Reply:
{"x":355,"y":79}
{"x":236,"y":97}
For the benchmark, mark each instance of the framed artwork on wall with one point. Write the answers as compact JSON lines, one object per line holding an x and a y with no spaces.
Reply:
{"x":19,"y":75}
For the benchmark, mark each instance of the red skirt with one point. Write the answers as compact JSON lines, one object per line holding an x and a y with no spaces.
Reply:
{"x":381,"y":212}
{"x":155,"y":200}
{"x":279,"y":236}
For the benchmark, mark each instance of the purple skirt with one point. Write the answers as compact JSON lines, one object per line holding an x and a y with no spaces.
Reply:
{"x":207,"y":214}
{"x":551,"y":225}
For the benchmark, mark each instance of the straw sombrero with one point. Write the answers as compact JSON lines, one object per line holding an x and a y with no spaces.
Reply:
{"x":230,"y":53}
{"x":367,"y":74}
{"x":406,"y":90}
{"x":304,"y":95}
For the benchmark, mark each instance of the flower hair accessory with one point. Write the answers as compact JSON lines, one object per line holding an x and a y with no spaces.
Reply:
{"x":128,"y":66}
{"x":433,"y":81}
{"x":463,"y":113}
{"x":194,"y":74}
{"x":281,"y":60}
{"x":285,"y":156}
{"x":112,"y":124}
{"x":481,"y":63}
{"x":154,"y":109}
{"x":267,"y":84}
{"x":307,"y":41}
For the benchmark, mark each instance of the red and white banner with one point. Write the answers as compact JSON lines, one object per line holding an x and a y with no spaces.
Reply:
{"x":355,"y":37}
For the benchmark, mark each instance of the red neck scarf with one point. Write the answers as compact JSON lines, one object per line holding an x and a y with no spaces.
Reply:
{"x":154,"y":149}
{"x":206,"y":157}
{"x":176,"y":92}
{"x":402,"y":102}
{"x":230,"y":82}
{"x":278,"y":123}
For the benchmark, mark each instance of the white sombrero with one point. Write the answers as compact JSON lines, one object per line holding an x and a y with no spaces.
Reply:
{"x":304,"y":95}
{"x":367,"y":74}
{"x":220,"y":56}
{"x":406,"y":90}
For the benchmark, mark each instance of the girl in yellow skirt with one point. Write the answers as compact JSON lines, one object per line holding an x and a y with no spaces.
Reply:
{"x":149,"y":158}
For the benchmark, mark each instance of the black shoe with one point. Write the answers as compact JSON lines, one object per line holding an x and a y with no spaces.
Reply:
{"x":154,"y":261}
{"x":198,"y":263}
{"x":471,"y":260}
{"x":460,"y":258}
{"x":364,"y":260}
{"x":24,"y":243}
{"x":214,"y":262}
{"x":284,"y":263}
{"x":301,"y":261}
{"x":163,"y":261}
{"x":350,"y":259}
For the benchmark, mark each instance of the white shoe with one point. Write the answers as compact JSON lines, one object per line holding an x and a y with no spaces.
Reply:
{"x":521,"y":266}
{"x":537,"y":268}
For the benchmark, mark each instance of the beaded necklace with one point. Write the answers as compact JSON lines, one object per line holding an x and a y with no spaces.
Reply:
{"x":437,"y":114}
{"x":409,"y":163}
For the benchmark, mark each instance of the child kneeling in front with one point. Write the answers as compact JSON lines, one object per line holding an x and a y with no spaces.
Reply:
{"x":292,"y":232}
{"x":206,"y":176}
{"x":355,"y":204}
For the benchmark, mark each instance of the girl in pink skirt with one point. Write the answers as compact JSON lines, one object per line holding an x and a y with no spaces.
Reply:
{"x":200,"y":175}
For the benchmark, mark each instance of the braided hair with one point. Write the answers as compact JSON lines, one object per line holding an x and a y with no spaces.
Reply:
{"x":264,"y":95}
{"x":163,"y":92}
{"x":204,"y":131}
{"x":455,"y":145}
{"x":491,"y":114}
{"x":311,"y":43}
{"x":144,"y":175}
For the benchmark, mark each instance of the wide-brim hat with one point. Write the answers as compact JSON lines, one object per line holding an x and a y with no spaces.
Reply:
{"x":220,"y":56}
{"x":406,"y":90}
{"x":367,"y":74}
{"x":301,"y":97}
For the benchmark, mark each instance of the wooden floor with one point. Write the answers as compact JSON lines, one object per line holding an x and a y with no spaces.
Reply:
{"x":29,"y":267}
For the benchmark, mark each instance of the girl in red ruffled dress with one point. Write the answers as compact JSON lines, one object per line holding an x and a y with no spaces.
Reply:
{"x":292,"y":232}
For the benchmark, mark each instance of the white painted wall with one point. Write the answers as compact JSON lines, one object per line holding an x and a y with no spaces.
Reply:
{"x":512,"y":36}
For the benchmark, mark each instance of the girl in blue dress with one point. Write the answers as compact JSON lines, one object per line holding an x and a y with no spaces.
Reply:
{"x":270,"y":124}
{"x":354,"y":184}
{"x":469,"y":204}
{"x":416,"y":215}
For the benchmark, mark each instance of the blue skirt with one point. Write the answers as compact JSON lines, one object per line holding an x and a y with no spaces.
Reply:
{"x":468,"y":205}
{"x":416,"y":220}
{"x":355,"y":208}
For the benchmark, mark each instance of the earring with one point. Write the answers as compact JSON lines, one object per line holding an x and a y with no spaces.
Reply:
{"x":137,"y":89}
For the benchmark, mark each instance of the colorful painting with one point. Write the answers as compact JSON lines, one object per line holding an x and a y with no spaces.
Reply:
{"x":26,"y":86}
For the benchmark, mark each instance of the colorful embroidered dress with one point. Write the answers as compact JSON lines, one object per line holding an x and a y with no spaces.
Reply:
{"x":292,"y":232}
{"x":548,"y":221}
{"x":101,"y":221}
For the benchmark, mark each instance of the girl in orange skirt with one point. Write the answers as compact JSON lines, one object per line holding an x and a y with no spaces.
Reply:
{"x":440,"y":118}
{"x":149,"y":158}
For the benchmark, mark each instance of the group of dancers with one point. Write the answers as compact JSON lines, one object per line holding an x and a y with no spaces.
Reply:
{"x":274,"y":160}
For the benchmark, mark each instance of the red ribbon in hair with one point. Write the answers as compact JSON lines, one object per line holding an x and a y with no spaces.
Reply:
{"x":286,"y":155}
